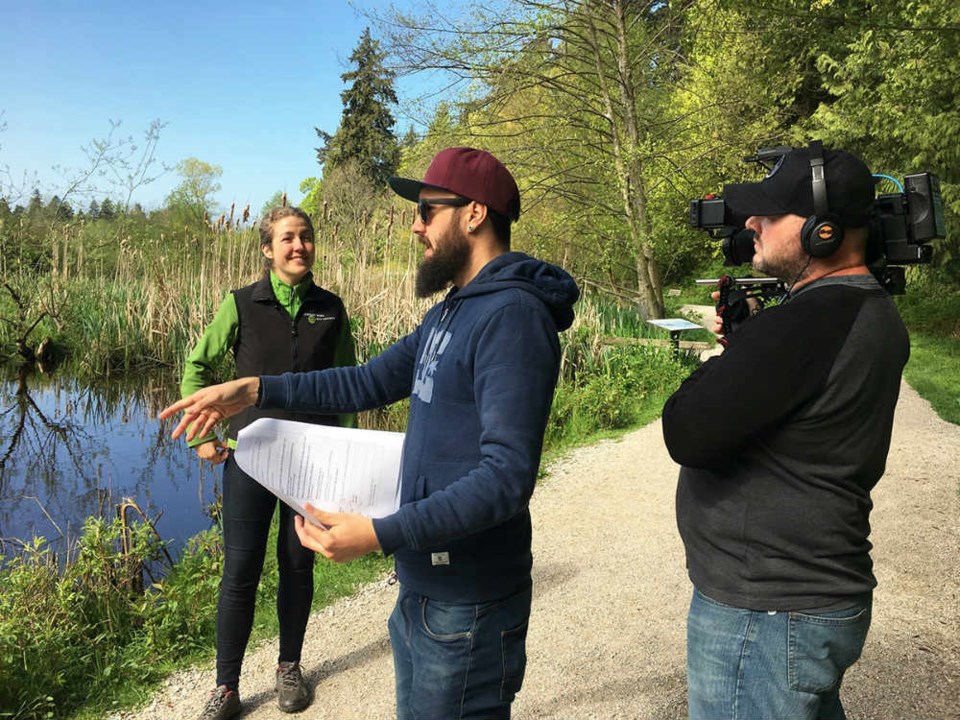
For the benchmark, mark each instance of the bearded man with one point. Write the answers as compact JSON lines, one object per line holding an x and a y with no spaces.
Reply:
{"x":480,"y":371}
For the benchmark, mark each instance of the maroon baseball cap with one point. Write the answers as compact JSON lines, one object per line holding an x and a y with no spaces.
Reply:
{"x":470,"y":173}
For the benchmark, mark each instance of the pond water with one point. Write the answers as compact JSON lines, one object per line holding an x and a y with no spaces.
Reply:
{"x":70,"y":450}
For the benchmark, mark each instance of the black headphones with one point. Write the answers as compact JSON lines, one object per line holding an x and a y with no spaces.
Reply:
{"x":822,"y":232}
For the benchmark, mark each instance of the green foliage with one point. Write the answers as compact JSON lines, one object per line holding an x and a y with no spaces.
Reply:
{"x":934,"y":372}
{"x":350,"y":200}
{"x":622,"y":387}
{"x":278,"y":199}
{"x":63,"y":631}
{"x":365,"y":135}
{"x":83,"y":634}
{"x":179,"y":611}
{"x":312,"y":190}
{"x":189,"y":202}
{"x":894,"y":88}
{"x":611,"y":378}
{"x":931,"y":311}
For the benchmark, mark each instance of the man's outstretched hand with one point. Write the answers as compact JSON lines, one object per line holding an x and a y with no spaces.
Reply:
{"x":206,"y":407}
{"x":344,"y":537}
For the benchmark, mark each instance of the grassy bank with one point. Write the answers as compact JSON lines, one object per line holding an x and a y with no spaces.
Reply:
{"x":931,"y":311}
{"x":79,"y":636}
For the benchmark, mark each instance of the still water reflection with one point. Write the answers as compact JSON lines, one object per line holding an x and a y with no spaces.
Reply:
{"x":70,"y":450}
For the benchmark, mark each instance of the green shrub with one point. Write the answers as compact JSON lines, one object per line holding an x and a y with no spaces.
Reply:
{"x":63,"y":630}
{"x":180,"y":609}
{"x":619,"y":388}
{"x":83,"y":635}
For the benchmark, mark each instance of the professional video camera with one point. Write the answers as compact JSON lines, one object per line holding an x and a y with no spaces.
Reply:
{"x":900,"y":228}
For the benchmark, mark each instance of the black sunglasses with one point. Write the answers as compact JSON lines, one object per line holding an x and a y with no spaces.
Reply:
{"x":423,"y":206}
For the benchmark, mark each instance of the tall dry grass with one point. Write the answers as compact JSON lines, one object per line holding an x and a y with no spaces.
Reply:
{"x":141,"y":297}
{"x":148,"y":300}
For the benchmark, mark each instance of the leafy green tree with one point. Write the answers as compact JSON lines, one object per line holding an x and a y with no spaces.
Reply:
{"x":312,"y":189}
{"x":365,"y":135}
{"x":894,"y":90}
{"x":190,"y":201}
{"x":572,"y":96}
{"x":879,"y":78}
{"x":276,"y":200}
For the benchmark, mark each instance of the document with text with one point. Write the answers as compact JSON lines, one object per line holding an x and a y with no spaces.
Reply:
{"x":332,"y":468}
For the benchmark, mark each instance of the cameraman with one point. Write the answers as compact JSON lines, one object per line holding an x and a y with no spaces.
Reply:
{"x":781,"y":439}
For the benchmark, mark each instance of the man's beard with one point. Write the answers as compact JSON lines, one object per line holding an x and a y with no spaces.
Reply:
{"x":450,"y":256}
{"x":788,"y":269}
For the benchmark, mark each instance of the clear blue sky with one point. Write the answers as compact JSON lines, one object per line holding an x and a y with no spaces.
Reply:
{"x":239,"y":84}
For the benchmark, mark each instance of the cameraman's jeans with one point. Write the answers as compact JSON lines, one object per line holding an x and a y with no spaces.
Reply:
{"x":746,"y":664}
{"x":456,"y":660}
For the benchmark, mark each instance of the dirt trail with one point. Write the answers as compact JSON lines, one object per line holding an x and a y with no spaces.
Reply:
{"x":610,"y":597}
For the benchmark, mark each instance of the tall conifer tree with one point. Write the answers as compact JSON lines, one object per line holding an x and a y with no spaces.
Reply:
{"x":366,"y":133}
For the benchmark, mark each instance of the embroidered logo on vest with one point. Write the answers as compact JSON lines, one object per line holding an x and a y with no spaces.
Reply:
{"x":314,"y":318}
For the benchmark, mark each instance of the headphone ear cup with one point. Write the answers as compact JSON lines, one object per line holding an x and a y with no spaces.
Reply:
{"x":820,"y":237}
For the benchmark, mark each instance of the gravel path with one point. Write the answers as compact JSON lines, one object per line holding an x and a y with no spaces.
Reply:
{"x":610,"y":597}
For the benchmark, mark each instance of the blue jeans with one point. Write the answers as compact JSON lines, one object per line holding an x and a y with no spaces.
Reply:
{"x":458,"y":660}
{"x":755,"y":664}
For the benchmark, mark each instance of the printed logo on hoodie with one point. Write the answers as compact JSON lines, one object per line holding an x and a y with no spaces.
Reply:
{"x":436,"y":343}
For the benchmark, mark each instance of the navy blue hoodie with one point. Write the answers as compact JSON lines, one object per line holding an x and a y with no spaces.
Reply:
{"x":480,"y":371}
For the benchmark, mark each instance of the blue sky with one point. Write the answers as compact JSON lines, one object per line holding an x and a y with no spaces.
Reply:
{"x":238,"y":84}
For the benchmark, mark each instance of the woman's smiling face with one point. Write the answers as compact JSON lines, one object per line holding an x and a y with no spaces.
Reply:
{"x":292,"y":249}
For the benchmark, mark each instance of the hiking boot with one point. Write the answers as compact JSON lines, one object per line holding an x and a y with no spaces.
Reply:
{"x":223,"y":704}
{"x":293,"y":693}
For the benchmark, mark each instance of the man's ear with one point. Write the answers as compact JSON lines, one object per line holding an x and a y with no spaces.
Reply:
{"x":477,"y":214}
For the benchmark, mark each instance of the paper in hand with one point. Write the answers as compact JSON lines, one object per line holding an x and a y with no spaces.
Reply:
{"x":332,"y":468}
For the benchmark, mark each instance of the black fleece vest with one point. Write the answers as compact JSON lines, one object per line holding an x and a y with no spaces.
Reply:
{"x":270,"y":342}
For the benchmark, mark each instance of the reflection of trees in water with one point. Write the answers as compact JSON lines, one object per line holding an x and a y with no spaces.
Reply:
{"x":66,"y":442}
{"x":37,"y":436}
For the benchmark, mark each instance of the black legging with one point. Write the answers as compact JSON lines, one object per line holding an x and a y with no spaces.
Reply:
{"x":247,"y":511}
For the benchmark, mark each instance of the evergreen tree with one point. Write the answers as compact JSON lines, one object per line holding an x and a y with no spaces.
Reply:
{"x":409,"y":139}
{"x":58,"y":209}
{"x":108,"y":210}
{"x":35,"y":206}
{"x":366,"y":133}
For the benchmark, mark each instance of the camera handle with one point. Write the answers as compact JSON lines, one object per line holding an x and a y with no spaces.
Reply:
{"x":733,"y":307}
